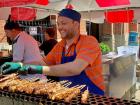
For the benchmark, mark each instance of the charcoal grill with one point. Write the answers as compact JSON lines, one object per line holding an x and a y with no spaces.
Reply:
{"x":44,"y":100}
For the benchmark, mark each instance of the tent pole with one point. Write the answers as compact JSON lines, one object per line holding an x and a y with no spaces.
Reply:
{"x":113,"y":37}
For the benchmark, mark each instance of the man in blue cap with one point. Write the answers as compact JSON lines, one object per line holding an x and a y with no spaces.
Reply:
{"x":76,"y":57}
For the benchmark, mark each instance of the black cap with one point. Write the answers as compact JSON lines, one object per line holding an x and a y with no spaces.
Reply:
{"x":11,"y":25}
{"x":69,"y":13}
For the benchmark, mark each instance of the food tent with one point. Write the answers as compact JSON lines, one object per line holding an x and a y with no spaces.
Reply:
{"x":91,"y":7}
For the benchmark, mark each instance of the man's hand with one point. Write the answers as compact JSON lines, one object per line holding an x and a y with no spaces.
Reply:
{"x":31,"y":69}
{"x":10,"y":67}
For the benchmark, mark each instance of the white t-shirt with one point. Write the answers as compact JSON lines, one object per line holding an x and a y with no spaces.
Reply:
{"x":26,"y":49}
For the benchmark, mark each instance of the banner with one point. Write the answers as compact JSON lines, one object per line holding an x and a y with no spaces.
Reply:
{"x":19,"y":13}
{"x":122,"y":16}
{"x":42,"y":2}
{"x":10,"y":3}
{"x":108,"y":3}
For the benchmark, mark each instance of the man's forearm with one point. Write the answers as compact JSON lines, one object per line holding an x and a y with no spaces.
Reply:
{"x":58,"y":70}
{"x":67,"y":69}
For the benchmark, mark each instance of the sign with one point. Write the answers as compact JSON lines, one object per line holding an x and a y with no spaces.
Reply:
{"x":121,"y":16}
{"x":33,"y":30}
{"x":133,"y":39}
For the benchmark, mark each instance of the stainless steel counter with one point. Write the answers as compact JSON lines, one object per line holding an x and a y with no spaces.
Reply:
{"x":120,"y":78}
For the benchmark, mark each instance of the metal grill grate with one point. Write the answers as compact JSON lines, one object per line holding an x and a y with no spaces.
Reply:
{"x":92,"y":100}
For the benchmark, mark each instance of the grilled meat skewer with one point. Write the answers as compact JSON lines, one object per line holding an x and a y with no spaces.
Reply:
{"x":85,"y":96}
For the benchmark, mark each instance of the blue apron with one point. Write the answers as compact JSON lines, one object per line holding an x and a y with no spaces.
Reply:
{"x":82,"y":78}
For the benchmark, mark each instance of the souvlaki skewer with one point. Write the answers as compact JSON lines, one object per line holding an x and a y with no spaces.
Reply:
{"x":85,"y":96}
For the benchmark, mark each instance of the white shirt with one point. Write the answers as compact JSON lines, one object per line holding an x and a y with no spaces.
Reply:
{"x":26,"y":50}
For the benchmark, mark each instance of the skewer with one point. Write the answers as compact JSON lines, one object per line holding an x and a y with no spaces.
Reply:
{"x":79,"y":86}
{"x":72,"y":95}
{"x":63,"y":93}
{"x":49,"y":80}
{"x":1,"y":75}
{"x":76,"y":86}
{"x":52,"y":81}
{"x":7,"y":77}
{"x":87,"y":89}
{"x":85,"y":96}
{"x":34,"y":79}
{"x":67,"y":84}
{"x":44,"y":80}
{"x":63,"y":82}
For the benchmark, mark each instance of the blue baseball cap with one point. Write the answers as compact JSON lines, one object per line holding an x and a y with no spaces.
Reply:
{"x":69,"y":13}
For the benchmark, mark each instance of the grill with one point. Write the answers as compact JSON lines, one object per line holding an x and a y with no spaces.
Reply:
{"x":8,"y":97}
{"x":44,"y":100}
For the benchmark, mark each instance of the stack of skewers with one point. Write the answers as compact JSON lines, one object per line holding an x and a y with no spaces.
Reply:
{"x":54,"y":90}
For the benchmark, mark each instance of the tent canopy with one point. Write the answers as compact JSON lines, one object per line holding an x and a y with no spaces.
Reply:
{"x":83,"y":6}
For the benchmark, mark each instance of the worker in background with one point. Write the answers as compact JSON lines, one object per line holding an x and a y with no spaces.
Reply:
{"x":24,"y":47}
{"x":49,"y":41}
{"x":76,"y":57}
{"x":48,"y":45}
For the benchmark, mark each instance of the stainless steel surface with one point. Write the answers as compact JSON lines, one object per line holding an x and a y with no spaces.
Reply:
{"x":120,"y":74}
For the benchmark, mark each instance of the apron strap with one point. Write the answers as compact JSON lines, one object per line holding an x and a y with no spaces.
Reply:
{"x":63,"y":51}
